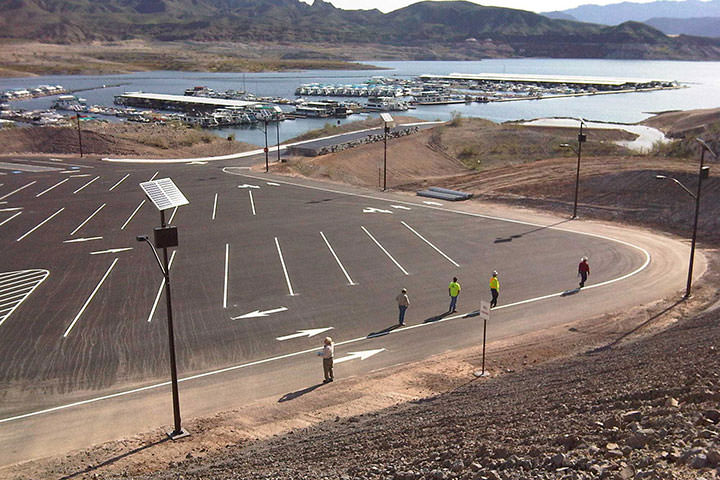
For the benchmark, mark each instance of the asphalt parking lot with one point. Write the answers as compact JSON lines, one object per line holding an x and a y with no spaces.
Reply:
{"x":260,"y":260}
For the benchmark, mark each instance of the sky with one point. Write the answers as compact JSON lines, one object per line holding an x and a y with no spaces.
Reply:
{"x":531,"y":5}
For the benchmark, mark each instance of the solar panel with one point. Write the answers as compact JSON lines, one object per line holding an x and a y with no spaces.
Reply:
{"x":164,"y":193}
{"x":387,"y":118}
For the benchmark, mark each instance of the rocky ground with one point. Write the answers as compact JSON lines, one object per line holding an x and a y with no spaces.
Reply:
{"x":632,"y":394}
{"x":645,"y":409}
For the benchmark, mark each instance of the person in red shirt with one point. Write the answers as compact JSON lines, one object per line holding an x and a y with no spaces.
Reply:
{"x":583,"y":271}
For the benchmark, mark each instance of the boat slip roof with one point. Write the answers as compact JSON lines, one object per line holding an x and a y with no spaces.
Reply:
{"x":524,"y":78}
{"x":220,"y":102}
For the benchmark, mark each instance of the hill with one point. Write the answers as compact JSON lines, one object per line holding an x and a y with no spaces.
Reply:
{"x":640,"y":12}
{"x":702,"y":26}
{"x":476,"y":31}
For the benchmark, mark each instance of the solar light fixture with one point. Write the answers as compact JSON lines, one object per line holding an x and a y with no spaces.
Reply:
{"x":164,"y":194}
{"x":703,"y":173}
{"x":389,"y":122}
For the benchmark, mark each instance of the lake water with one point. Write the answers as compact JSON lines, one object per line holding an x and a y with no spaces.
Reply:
{"x":701,"y":78}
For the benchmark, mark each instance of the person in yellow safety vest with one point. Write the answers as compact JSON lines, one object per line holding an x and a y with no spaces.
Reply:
{"x":494,"y":289}
{"x":454,"y":290}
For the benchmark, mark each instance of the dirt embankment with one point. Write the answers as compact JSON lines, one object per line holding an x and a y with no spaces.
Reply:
{"x":127,"y":139}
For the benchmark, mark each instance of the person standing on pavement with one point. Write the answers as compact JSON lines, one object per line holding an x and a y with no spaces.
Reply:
{"x":583,"y":271}
{"x":454,"y":290}
{"x":327,"y":355}
{"x":494,"y":288}
{"x":403,"y":304}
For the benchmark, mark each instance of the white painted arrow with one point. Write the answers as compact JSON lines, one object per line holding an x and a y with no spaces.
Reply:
{"x":376,"y":210}
{"x":361,"y":355}
{"x":84,"y":239}
{"x":401,"y":207}
{"x":273,"y":184}
{"x":259,"y":313}
{"x":304,"y":333}
{"x":112,"y":250}
{"x":245,"y":185}
{"x":431,"y":203}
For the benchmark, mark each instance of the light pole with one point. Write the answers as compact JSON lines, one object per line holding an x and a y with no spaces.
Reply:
{"x":164,"y":195}
{"x":703,"y":173}
{"x":267,"y":164}
{"x":388,"y":122}
{"x":582,"y":138}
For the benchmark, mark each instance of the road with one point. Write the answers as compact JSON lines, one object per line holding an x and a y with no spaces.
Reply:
{"x":261,"y":261}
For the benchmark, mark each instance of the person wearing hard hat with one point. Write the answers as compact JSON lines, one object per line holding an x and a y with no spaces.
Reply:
{"x":494,"y":289}
{"x":583,"y":271}
{"x":454,"y":290}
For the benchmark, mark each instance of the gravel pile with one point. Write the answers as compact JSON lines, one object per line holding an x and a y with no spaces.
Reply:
{"x":643,"y":410}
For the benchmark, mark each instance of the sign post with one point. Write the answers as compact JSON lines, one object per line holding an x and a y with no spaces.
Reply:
{"x":485,"y":315}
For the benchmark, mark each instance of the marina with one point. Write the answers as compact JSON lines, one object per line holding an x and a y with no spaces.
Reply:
{"x":507,"y":101}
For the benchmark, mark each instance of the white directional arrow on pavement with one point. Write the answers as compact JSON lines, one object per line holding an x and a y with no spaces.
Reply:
{"x":361,"y":355}
{"x":112,"y":250}
{"x":84,"y":239}
{"x":401,"y":207}
{"x":304,"y":333}
{"x":260,"y":313}
{"x":246,"y":185}
{"x":376,"y":210}
{"x":431,"y":203}
{"x":273,"y":184}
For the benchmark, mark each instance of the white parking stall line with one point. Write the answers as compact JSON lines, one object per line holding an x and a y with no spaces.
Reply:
{"x":154,"y":175}
{"x":17,"y":286}
{"x":118,"y":183}
{"x":252,"y":202}
{"x":282,"y":261}
{"x":350,"y":281}
{"x":50,"y":188}
{"x":225,"y":283}
{"x":88,"y":183}
{"x":18,"y":189}
{"x":172,"y":216}
{"x":385,"y":251}
{"x":87,"y":219}
{"x":40,"y":224}
{"x":8,"y":219}
{"x":132,"y":215}
{"x":215,"y":206}
{"x":160,"y":290}
{"x":89,"y":299}
{"x":433,"y":246}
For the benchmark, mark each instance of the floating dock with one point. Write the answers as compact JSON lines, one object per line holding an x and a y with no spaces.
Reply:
{"x":600,"y":83}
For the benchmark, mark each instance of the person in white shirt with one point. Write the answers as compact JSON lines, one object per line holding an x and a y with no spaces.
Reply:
{"x":327,"y":354}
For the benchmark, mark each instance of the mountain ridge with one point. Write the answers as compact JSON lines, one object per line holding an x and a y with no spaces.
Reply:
{"x":482,"y":31}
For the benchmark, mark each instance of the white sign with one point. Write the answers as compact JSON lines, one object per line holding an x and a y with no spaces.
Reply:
{"x":485,"y":310}
{"x":361,"y":355}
